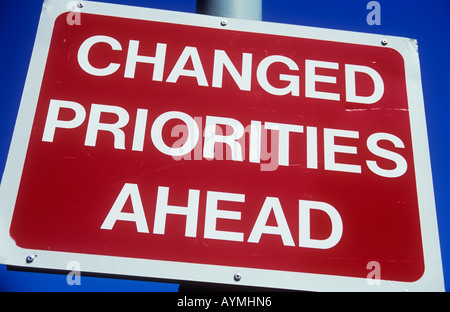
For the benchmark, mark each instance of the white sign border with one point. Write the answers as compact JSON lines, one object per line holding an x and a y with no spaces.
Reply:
{"x":11,"y":254}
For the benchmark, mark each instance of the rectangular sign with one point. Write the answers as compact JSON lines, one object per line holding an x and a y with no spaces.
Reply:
{"x":179,"y":146}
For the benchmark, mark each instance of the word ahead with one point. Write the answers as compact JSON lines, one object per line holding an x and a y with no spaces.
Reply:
{"x":271,"y":205}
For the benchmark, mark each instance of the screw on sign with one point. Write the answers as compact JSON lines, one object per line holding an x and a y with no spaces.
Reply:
{"x":30,"y":258}
{"x":241,"y":153}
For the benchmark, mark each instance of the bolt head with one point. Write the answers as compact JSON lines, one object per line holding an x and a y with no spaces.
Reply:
{"x":30,"y":258}
{"x":224,"y":23}
{"x":80,"y":5}
{"x":384,"y":42}
{"x":237,"y":277}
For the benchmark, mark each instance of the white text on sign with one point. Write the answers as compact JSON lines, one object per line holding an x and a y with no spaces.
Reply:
{"x":243,"y":78}
{"x":233,"y":140}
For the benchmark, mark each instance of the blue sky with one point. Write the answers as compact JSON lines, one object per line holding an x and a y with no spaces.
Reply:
{"x":426,"y":21}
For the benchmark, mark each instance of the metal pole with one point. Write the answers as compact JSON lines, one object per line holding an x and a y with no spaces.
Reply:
{"x":243,"y":9}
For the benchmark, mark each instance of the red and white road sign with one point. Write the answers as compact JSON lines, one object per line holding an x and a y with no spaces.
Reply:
{"x":167,"y":145}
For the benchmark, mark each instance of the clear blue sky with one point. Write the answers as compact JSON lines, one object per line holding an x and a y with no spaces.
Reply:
{"x":426,"y":21}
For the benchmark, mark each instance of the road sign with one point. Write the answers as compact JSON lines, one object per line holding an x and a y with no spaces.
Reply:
{"x":185,"y":147}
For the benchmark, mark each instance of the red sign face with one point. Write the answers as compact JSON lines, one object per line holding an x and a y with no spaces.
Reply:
{"x":160,"y":141}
